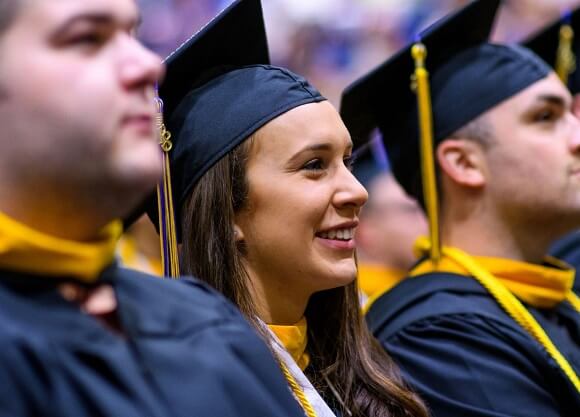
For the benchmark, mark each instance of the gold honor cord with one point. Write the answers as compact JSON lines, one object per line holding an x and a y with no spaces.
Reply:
{"x":574,"y":300}
{"x":421,"y":87}
{"x":167,"y":231}
{"x":296,"y":390}
{"x":565,"y":58}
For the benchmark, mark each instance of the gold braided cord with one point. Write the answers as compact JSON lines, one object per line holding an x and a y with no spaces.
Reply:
{"x":422,"y":88}
{"x":171,"y":261}
{"x":565,"y":57}
{"x":160,"y":221}
{"x":574,"y":300}
{"x":512,"y":306}
{"x":171,"y":230}
{"x":297,"y":391}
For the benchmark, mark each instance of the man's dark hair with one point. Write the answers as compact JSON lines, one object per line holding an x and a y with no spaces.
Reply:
{"x":478,"y":130}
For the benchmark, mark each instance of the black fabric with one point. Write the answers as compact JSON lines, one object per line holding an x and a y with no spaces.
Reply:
{"x":546,"y":41}
{"x":219,"y":90}
{"x":187,"y":352}
{"x":468,"y":77}
{"x":567,"y":249}
{"x":466,"y":357}
{"x":236,"y":37}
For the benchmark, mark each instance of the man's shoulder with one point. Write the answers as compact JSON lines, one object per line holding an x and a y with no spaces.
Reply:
{"x":185,"y":293}
{"x":446,"y":329}
{"x":430,"y":296}
{"x":185,"y":305}
{"x":145,"y":301}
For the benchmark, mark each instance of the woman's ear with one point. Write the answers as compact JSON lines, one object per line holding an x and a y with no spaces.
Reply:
{"x":238,"y":233}
{"x":462,"y":161}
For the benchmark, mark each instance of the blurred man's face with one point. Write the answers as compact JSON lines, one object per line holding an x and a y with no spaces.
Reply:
{"x":389,"y":225}
{"x":77,"y":100}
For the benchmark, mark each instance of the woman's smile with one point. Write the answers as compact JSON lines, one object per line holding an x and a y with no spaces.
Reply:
{"x":339,"y":237}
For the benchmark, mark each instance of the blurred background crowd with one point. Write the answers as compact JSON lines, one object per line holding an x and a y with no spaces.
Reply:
{"x":332,"y":42}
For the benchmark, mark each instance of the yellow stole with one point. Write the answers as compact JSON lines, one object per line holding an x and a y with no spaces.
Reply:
{"x":374,"y":279}
{"x":294,"y":338}
{"x":537,"y":285}
{"x":26,"y":250}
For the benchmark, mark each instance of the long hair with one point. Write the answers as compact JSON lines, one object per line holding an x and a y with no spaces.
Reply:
{"x":346,"y":361}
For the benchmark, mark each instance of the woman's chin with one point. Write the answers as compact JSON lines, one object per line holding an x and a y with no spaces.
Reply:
{"x":340,"y":275}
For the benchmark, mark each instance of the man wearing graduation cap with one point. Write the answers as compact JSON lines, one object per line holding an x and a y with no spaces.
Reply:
{"x":484,"y":325}
{"x":79,"y":336}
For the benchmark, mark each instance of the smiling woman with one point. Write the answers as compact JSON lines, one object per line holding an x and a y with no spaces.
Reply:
{"x":267,"y":208}
{"x":300,"y":210}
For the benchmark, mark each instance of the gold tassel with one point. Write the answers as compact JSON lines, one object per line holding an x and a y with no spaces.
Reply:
{"x":167,"y":230}
{"x":422,"y":89}
{"x":565,"y":58}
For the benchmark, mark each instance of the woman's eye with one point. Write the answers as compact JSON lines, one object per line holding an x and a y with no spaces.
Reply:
{"x":314,"y":165}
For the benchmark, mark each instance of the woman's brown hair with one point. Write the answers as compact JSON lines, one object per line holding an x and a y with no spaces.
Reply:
{"x":345,"y":358}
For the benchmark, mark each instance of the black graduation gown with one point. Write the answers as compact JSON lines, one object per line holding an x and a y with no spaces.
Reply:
{"x":186,"y":352}
{"x":568,"y":249}
{"x":466,"y":357}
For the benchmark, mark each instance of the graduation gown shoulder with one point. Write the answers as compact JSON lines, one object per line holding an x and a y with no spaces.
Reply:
{"x":466,"y":356}
{"x":186,"y":352}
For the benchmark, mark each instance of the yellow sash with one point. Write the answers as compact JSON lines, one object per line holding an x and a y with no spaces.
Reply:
{"x":374,"y":279}
{"x":294,"y":338}
{"x":537,"y":285}
{"x":26,"y":250}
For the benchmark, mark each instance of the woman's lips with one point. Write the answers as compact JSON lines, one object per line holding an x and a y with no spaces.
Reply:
{"x":337,"y":244}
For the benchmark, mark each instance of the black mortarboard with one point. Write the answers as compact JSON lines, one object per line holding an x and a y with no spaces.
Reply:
{"x":219,"y":90}
{"x":468,"y":77}
{"x":559,"y":45}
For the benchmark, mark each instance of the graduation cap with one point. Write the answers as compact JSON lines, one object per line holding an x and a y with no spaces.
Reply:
{"x":432,"y":88}
{"x":559,"y":44}
{"x":219,"y":89}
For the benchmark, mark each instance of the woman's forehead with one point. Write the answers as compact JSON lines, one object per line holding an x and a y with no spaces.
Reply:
{"x":310,"y":125}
